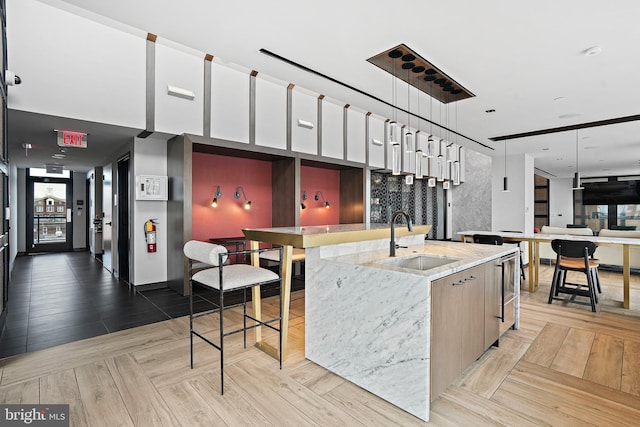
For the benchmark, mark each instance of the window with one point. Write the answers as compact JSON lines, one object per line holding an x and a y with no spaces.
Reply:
{"x":49,"y":208}
{"x":39,"y":208}
{"x":60,"y":208}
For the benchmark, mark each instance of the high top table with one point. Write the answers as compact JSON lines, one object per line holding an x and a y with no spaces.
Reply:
{"x":307,"y":237}
{"x":534,"y":239}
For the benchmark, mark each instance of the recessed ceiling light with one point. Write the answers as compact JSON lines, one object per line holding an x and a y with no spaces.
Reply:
{"x":593,"y":51}
{"x":59,"y":156}
{"x":569,"y":115}
{"x":560,"y":98}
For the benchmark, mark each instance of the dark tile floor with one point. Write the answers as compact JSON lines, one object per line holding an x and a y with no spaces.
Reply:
{"x":64,"y":297}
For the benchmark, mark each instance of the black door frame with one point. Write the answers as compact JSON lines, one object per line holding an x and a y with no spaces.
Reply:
{"x":123,"y":182}
{"x":31,"y":247}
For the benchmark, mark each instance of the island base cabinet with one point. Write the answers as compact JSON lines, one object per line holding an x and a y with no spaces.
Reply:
{"x":457,"y":325}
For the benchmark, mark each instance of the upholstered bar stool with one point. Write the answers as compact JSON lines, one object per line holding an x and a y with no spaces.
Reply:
{"x":574,"y":255}
{"x":226,"y":278}
{"x":274,"y":255}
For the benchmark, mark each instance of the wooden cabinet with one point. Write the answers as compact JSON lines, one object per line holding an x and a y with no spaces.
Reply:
{"x":457,"y":325}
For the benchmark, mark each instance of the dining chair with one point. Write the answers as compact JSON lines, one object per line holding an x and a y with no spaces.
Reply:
{"x":575,"y":255}
{"x":488,"y":239}
{"x":208,"y":267}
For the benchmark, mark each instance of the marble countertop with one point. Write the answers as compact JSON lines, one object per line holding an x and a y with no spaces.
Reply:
{"x":321,"y":235}
{"x":462,"y":255}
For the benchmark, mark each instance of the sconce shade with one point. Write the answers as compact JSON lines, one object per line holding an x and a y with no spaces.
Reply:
{"x":247,"y":203}
{"x":216,"y":196}
{"x":319,"y":196}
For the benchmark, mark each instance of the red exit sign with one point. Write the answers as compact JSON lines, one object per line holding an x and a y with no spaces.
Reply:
{"x":68,"y":138}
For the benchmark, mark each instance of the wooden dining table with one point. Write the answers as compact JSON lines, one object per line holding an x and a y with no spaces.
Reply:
{"x":534,"y":240}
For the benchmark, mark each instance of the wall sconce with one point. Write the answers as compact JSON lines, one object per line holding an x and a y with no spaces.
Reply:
{"x":320,"y":195}
{"x":216,"y":196}
{"x":247,"y":203}
{"x":304,"y":197}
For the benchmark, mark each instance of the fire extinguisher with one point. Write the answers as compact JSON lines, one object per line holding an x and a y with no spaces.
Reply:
{"x":150,"y":234}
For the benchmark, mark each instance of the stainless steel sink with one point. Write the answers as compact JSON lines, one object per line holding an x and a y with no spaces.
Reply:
{"x":418,"y":262}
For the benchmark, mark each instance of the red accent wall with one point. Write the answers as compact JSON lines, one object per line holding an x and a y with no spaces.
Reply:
{"x":328,"y":181}
{"x":230,"y":217}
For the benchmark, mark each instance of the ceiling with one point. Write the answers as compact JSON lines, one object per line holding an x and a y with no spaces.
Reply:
{"x":525,"y":60}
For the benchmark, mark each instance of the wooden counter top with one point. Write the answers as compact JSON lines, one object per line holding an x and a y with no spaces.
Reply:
{"x":312,"y":236}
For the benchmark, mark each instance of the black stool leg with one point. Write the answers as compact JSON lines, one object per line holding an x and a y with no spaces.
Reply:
{"x":221,"y":339}
{"x":554,"y":284}
{"x":191,"y":320}
{"x":244,"y":316}
{"x":592,"y":290}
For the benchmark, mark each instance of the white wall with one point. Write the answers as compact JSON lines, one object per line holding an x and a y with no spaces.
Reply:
{"x":560,"y":202}
{"x":87,"y":70}
{"x":149,"y":158}
{"x":513,"y":210}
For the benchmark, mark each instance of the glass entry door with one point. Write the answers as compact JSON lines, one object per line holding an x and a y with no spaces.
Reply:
{"x":49,"y":203}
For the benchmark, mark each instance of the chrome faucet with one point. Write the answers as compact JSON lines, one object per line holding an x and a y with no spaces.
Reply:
{"x":392,"y":247}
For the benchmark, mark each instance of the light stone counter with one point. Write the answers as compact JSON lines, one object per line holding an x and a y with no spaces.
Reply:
{"x":369,"y":322}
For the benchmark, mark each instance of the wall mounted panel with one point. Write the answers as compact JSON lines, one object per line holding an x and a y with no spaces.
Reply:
{"x":182,"y":74}
{"x":271,"y":113}
{"x":356,"y":135}
{"x":229,"y":103}
{"x":332,"y":129}
{"x":304,"y":117}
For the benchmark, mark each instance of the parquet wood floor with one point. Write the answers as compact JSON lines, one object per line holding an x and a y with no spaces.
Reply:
{"x":564,"y":366}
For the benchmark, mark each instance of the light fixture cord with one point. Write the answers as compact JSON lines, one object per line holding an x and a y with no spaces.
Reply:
{"x":394,"y":95}
{"x":430,"y":111}
{"x":505,"y":157}
{"x":577,"y":169}
{"x":408,"y":104}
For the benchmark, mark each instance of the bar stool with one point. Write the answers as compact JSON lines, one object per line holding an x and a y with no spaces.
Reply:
{"x":226,"y":278}
{"x":274,"y":255}
{"x":575,"y":255}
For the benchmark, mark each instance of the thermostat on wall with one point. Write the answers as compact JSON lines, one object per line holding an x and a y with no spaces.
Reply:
{"x":151,"y":187}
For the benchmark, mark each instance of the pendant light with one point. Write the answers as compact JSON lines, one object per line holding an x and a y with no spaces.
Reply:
{"x":455,"y":167}
{"x":419,"y":154}
{"x":440,"y":161}
{"x":505,"y":184}
{"x":577,"y":184}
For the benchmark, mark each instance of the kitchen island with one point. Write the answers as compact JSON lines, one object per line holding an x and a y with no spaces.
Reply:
{"x":313,"y":237}
{"x":400,"y":327}
{"x":370,"y":318}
